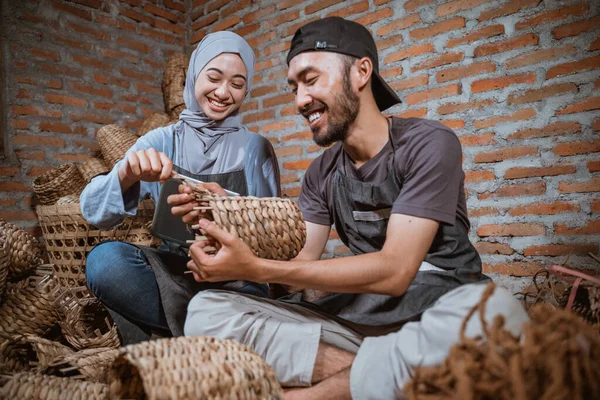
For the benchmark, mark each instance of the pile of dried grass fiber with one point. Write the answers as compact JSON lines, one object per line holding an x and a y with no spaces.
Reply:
{"x":557,"y":356}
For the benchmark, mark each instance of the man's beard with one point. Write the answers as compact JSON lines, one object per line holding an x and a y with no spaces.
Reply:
{"x":340,"y":116}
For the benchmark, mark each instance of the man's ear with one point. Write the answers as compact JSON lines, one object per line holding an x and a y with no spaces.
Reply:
{"x":365,"y":70}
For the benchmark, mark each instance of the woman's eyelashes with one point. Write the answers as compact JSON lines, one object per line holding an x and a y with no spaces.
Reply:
{"x":234,"y":84}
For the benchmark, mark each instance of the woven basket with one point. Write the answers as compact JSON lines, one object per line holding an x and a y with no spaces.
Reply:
{"x":30,"y":386}
{"x":174,"y":114}
{"x":192,"y":368}
{"x":86,"y":324}
{"x":28,"y":308}
{"x":24,"y":352}
{"x":174,"y":82}
{"x":273,"y":227}
{"x":4,"y":263}
{"x":89,"y":364}
{"x":114,"y":142}
{"x":154,"y":121}
{"x":69,"y":237}
{"x":23,"y":249}
{"x":70,"y":199}
{"x":92,"y":168}
{"x":57,"y":183}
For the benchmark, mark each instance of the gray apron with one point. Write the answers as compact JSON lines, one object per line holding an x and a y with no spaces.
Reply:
{"x":361,"y":215}
{"x":176,"y":288}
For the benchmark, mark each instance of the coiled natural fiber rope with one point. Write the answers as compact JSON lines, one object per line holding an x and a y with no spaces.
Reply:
{"x":556,"y":357}
{"x":192,"y":368}
{"x":114,"y":142}
{"x":58,"y":182}
{"x":272,"y":227}
{"x":30,"y":386}
{"x":92,"y":168}
{"x":154,"y":121}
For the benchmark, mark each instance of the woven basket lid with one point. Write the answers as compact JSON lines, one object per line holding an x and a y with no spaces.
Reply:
{"x":192,"y":368}
{"x":114,"y":142}
{"x":154,"y":121}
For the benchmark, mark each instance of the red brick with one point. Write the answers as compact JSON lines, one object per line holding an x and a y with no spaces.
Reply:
{"x":520,"y":115}
{"x":513,"y":268}
{"x":288,"y":151}
{"x":261,"y":116}
{"x":456,"y":6}
{"x":543,"y":209}
{"x":439,"y":92}
{"x":73,"y":158}
{"x":291,"y":192}
{"x":391,"y":72}
{"x":13,"y":187}
{"x":353,"y":9}
{"x":281,"y":19}
{"x":318,"y":6}
{"x":271,"y":62}
{"x":104,"y":120}
{"x":277,"y":48}
{"x":412,"y":5}
{"x":596,"y":124}
{"x":505,"y":154}
{"x":508,"y":8}
{"x":479,"y":176}
{"x":289,"y":178}
{"x":559,"y":249}
{"x":83,"y":14}
{"x":404,"y":84}
{"x":92,"y":146}
{"x":595,"y":45}
{"x":136,"y":16}
{"x":226,"y":23}
{"x":18,"y":215}
{"x":593,"y":166}
{"x":89,"y":31}
{"x":519,"y":189}
{"x":91,"y":62}
{"x":451,"y":74}
{"x":104,"y":20}
{"x":9,"y":171}
{"x":530,"y":172}
{"x":453,"y":123}
{"x":63,"y":99}
{"x":437,"y":28}
{"x":298,"y":136}
{"x":167,"y":26}
{"x":144,"y":87}
{"x":592,"y":227}
{"x":493,"y":248}
{"x":555,"y":129}
{"x":595,"y":206}
{"x":593,"y":185}
{"x":234,"y":7}
{"x":418,"y":113}
{"x":290,"y":30}
{"x":277,"y":126}
{"x":376,"y":16}
{"x":58,"y":127}
{"x":479,"y":212}
{"x":159,"y":12}
{"x":205,"y":21}
{"x":515,"y":229}
{"x":485,"y":139}
{"x":126,"y":108}
{"x":19,"y":124}
{"x":534,"y":95}
{"x":289,"y":110}
{"x":283,"y":4}
{"x":33,"y":155}
{"x":23,"y":94}
{"x":553,"y":15}
{"x":592,"y":103}
{"x":267,"y":37}
{"x":54,"y":84}
{"x":488,"y":31}
{"x":26,"y":80}
{"x":278,"y":100}
{"x":573,"y":67}
{"x":434,"y":62}
{"x":8,"y":202}
{"x":128,"y":72}
{"x":451,"y":108}
{"x":215,"y":5}
{"x":104,"y":92}
{"x":30,"y":110}
{"x":383,"y":44}
{"x":506,"y":45}
{"x":56,"y":70}
{"x":399,"y":24}
{"x":295,"y":165}
{"x":49,"y":55}
{"x":573,"y":148}
{"x":28,"y":140}
{"x":198,"y":36}
{"x":575,"y":28}
{"x":173,"y":5}
{"x":133,"y":124}
{"x":39,"y":171}
{"x":409,"y":52}
{"x":134,"y":45}
{"x":538,"y":56}
{"x":119,"y":55}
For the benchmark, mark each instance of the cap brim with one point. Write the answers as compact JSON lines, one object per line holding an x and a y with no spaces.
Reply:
{"x":385,"y":97}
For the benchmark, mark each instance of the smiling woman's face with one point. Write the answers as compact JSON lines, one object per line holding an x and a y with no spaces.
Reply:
{"x":221,"y":86}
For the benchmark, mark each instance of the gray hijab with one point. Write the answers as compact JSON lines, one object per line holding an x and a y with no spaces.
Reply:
{"x":205,"y":145}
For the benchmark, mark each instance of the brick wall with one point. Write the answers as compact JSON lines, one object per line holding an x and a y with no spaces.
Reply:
{"x":69,"y":68}
{"x":518,"y":80}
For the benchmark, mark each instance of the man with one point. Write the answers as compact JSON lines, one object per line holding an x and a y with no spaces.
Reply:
{"x":394,"y":190}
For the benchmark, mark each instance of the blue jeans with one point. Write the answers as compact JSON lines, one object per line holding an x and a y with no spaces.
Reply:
{"x":120,"y":276}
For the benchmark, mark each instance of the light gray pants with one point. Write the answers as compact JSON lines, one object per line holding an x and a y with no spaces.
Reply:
{"x":287,"y":336}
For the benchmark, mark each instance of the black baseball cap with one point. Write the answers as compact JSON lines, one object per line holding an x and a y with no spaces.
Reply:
{"x":338,"y":35}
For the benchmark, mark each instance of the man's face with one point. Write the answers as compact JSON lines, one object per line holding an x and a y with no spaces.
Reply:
{"x":324,"y":96}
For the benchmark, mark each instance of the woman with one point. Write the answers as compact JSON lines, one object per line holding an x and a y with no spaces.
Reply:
{"x":145,"y":289}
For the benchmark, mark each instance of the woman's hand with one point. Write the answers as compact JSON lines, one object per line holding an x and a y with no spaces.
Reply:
{"x":144,"y":165}
{"x":183,"y":203}
{"x":234,"y":259}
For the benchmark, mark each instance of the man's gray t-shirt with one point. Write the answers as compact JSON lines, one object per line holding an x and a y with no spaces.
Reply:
{"x":428,"y":164}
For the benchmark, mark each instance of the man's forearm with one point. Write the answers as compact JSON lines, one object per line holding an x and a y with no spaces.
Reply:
{"x":367,"y":273}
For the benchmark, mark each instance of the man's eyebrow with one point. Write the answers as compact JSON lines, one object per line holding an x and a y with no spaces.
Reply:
{"x":221,"y":72}
{"x":302,"y":74}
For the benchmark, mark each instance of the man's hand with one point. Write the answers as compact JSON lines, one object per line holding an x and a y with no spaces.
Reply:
{"x":184,"y":203}
{"x":144,"y":165}
{"x":234,"y":259}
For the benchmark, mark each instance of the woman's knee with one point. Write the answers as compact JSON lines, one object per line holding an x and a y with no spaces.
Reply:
{"x":107,"y":262}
